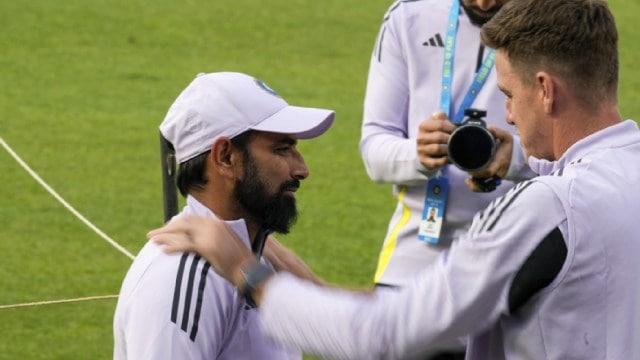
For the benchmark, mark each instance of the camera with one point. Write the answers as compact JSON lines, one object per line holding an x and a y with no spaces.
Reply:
{"x":471,"y":146}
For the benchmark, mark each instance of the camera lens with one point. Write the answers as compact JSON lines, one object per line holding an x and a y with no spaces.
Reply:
{"x":471,"y":147}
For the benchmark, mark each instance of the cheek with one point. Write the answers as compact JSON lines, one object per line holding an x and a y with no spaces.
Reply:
{"x":274,"y":175}
{"x":520,"y":109}
{"x":514,"y":108}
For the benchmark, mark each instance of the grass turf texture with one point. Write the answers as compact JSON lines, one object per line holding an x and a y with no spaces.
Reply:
{"x":85,"y":84}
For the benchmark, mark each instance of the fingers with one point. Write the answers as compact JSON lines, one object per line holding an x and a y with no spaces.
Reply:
{"x":501,"y":134}
{"x":179,"y":224}
{"x":185,"y":232}
{"x":431,"y":142}
{"x":434,"y":161}
{"x":472,"y":186}
{"x":437,"y":123}
{"x":440,"y":116}
{"x":175,"y":242}
{"x":487,"y":171}
{"x":213,"y":239}
{"x":182,"y":224}
{"x":499,"y":166}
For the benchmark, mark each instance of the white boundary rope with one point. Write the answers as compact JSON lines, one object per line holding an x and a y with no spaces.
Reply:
{"x":79,"y":216}
{"x":64,"y":203}
{"x":63,"y":301}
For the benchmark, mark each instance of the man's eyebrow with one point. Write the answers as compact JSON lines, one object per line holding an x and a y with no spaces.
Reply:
{"x":288,"y":141}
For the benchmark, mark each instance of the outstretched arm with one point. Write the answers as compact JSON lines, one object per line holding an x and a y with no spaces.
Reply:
{"x":283,"y":259}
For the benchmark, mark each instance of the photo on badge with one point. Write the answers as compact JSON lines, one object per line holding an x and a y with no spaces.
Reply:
{"x":434,"y":207}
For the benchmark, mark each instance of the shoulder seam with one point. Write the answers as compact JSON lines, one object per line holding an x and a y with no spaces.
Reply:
{"x":394,"y":6}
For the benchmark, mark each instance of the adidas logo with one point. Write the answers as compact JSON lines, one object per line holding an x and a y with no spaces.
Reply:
{"x":435,"y":41}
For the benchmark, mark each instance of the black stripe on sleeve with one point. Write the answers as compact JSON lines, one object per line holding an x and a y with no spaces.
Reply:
{"x":488,"y":217}
{"x":518,"y":191}
{"x":196,"y":314}
{"x":491,"y":208}
{"x":539,"y":270}
{"x":379,"y":47}
{"x":176,"y":292}
{"x":188,"y":292}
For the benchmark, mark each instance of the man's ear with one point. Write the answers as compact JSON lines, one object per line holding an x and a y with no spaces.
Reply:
{"x":223,"y":156}
{"x":548,"y":89}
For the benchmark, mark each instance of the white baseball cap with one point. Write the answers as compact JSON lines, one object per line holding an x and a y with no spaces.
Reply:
{"x":228,"y":104}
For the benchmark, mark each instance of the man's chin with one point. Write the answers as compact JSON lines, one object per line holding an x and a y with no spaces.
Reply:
{"x":479,"y":16}
{"x":483,"y":17}
{"x":280,"y":218}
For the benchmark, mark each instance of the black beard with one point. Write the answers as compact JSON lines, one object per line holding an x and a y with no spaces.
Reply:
{"x":275,"y":212}
{"x":475,"y":18}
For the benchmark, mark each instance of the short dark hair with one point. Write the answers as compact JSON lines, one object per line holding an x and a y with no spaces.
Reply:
{"x":191,"y":173}
{"x":575,"y":40}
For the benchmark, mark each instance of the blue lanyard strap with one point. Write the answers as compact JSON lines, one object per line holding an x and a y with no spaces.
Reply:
{"x":447,"y":70}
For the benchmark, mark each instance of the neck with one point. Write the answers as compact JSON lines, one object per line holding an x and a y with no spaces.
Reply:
{"x":228,"y":210}
{"x":258,"y":241}
{"x":580,"y":123}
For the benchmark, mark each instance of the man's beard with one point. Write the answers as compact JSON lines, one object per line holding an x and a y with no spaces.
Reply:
{"x":275,"y":212}
{"x":474,"y":17}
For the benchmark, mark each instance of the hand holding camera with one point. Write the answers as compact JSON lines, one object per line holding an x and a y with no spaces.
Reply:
{"x":472,"y":147}
{"x":431,"y":140}
{"x":483,"y":152}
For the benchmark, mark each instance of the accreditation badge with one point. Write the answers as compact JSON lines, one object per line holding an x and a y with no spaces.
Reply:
{"x":433,"y":213}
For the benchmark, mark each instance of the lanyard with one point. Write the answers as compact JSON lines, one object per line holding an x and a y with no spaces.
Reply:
{"x":447,"y":71}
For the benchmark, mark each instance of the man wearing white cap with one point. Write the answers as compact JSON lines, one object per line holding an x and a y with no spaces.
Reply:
{"x":235,"y":140}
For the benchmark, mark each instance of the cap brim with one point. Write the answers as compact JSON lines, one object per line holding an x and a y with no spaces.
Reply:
{"x":305,"y":123}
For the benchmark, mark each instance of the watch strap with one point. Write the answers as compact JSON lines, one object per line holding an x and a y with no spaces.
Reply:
{"x":253,"y":276}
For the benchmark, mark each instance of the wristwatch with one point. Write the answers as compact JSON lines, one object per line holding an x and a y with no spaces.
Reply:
{"x":253,"y":276}
{"x":487,"y":184}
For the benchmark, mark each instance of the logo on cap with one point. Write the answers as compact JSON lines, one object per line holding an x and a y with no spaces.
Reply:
{"x":266,"y":88}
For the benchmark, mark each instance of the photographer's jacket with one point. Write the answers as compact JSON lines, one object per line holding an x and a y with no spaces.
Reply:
{"x":402,"y":91}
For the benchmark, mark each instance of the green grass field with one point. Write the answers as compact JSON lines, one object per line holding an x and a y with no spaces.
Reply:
{"x":84,"y":86}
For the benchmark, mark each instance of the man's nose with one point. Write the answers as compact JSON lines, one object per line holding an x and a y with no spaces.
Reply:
{"x":299,"y":169}
{"x":509,"y":114}
{"x":485,"y":4}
